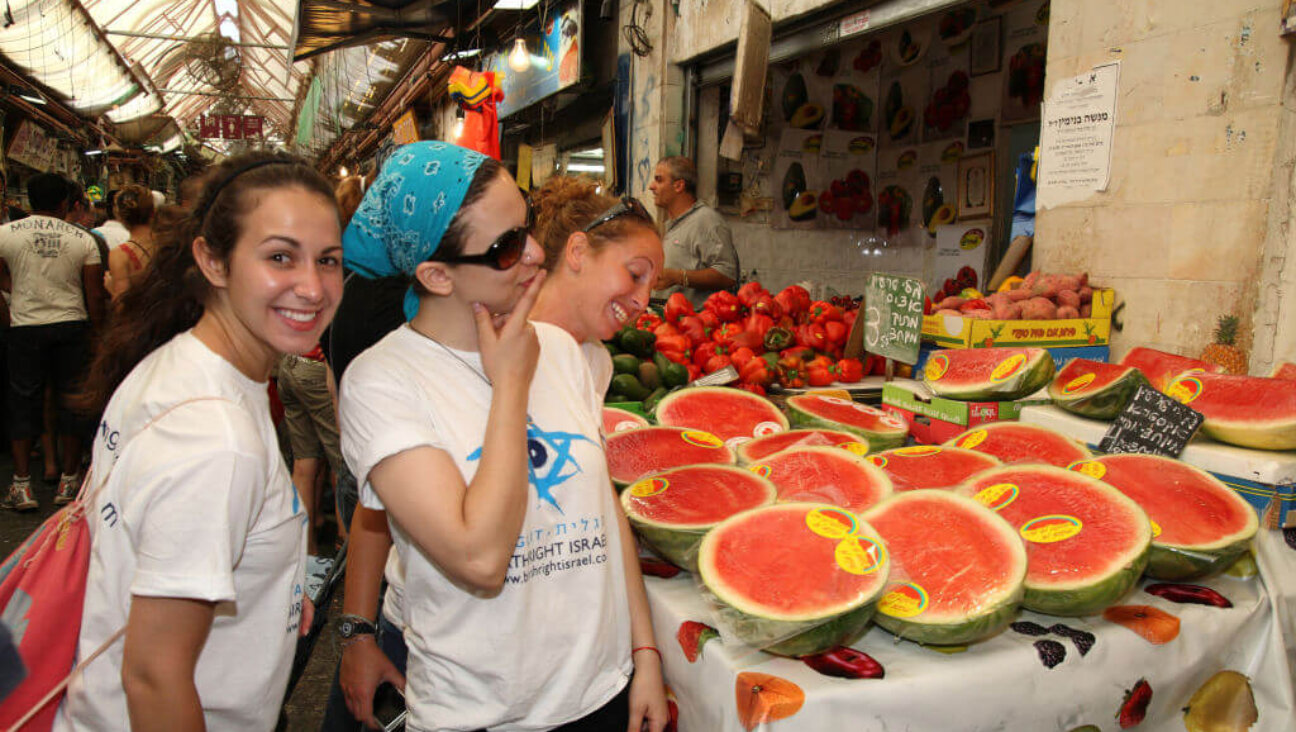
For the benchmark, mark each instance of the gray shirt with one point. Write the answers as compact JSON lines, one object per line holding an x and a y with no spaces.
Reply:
{"x":698,"y":239}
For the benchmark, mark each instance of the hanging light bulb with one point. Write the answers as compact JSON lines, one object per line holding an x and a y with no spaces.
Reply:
{"x":457,"y":131}
{"x":343,"y":172}
{"x":520,"y":57}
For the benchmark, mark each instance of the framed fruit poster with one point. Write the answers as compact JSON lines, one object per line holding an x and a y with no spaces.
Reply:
{"x":960,"y":254}
{"x":802,"y":96}
{"x":1025,"y":46}
{"x":938,"y":182}
{"x":856,"y":68}
{"x":849,"y":165}
{"x":976,"y":186}
{"x":898,"y":196}
{"x":945,"y":115}
{"x":798,"y":179}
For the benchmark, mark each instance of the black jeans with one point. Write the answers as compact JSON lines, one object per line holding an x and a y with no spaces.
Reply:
{"x":58,"y":353}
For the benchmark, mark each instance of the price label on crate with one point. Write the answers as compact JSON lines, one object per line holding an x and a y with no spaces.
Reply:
{"x":1152,"y":423}
{"x":893,"y":315}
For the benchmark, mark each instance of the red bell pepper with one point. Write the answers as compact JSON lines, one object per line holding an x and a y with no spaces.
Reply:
{"x":822,"y":312}
{"x":725,"y":333}
{"x":812,"y":335}
{"x":836,"y":332}
{"x":777,"y":338}
{"x":725,"y":305}
{"x":715,"y":363}
{"x":693,"y":371}
{"x":677,"y":306}
{"x":704,"y":352}
{"x":793,"y":299}
{"x":755,"y":371}
{"x":741,"y":356}
{"x":756,"y":389}
{"x":709,"y":320}
{"x":693,"y":327}
{"x":647,"y":321}
{"x":800,"y":353}
{"x":850,"y":370}
{"x":749,"y":293}
{"x":766,"y":305}
{"x":790,"y":375}
{"x":677,"y":348}
{"x":819,"y":375}
{"x":758,"y":323}
{"x":665,"y":329}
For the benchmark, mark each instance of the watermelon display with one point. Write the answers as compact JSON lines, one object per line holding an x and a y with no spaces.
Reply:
{"x":958,"y":570}
{"x":1094,"y":389}
{"x":1199,"y":525}
{"x":618,"y":420}
{"x":1086,"y":542}
{"x":794,"y":579}
{"x":1284,"y":370}
{"x":1160,"y":367}
{"x":825,"y":475}
{"x":672,"y":510}
{"x":754,"y":450}
{"x":733,"y":415}
{"x":1248,"y":411}
{"x":988,"y":374}
{"x":882,"y":431}
{"x":929,"y":466}
{"x":632,"y":454}
{"x":1014,"y":442}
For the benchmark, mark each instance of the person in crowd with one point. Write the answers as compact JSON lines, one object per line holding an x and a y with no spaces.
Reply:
{"x":479,"y":432}
{"x":602,"y":256}
{"x":53,"y":271}
{"x":700,"y":254}
{"x":349,"y":192}
{"x":81,"y":214}
{"x":113,"y":230}
{"x":197,"y":530}
{"x":188,"y":192}
{"x":4,"y":198}
{"x":128,"y":261}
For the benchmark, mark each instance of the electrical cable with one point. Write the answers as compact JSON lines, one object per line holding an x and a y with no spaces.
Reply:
{"x":634,"y":32}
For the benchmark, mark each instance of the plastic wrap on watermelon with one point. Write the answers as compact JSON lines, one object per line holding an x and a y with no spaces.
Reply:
{"x":1017,"y":443}
{"x":880,"y":429}
{"x":1094,"y":389}
{"x":840,"y":477}
{"x":793,"y":579}
{"x":958,"y":569}
{"x":634,"y":454}
{"x":733,"y":415}
{"x":672,"y":510}
{"x":988,"y":374}
{"x":931,"y":466}
{"x":753,"y":451}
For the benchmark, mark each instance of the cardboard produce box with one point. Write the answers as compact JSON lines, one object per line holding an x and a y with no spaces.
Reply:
{"x":1265,"y":479}
{"x":950,"y":331}
{"x":933,"y":420}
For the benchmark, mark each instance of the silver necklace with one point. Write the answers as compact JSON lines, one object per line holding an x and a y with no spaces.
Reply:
{"x":479,"y":374}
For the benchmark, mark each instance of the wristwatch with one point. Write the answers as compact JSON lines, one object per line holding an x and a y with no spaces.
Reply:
{"x":350,"y":626}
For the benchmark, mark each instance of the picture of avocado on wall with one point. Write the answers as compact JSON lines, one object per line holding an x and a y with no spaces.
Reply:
{"x":1025,"y":51}
{"x":903,"y":91}
{"x":938,"y":175}
{"x":849,"y":166}
{"x":802,"y":93}
{"x":945,"y":113}
{"x":797,"y":180}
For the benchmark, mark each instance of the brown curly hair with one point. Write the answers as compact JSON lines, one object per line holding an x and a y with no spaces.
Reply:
{"x":566,"y":204}
{"x":134,"y":205}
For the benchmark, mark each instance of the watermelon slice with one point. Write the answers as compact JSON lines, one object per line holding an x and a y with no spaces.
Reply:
{"x":617,"y":420}
{"x":1199,"y":525}
{"x":671,"y":510}
{"x":1094,"y":389}
{"x":1160,"y":367}
{"x":632,"y":454}
{"x":753,"y":451}
{"x":794,"y":579}
{"x":733,"y":415}
{"x":1248,"y":411}
{"x":958,"y":569}
{"x":825,"y":475}
{"x":1086,"y":542}
{"x":929,"y":466}
{"x":1284,"y":370}
{"x":881,"y":430}
{"x":1014,"y":442}
{"x":988,"y":374}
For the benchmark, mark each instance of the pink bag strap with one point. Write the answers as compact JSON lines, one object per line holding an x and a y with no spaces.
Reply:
{"x":78,"y":508}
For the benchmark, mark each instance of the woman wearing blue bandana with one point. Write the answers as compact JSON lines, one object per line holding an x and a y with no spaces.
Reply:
{"x":478,"y":433}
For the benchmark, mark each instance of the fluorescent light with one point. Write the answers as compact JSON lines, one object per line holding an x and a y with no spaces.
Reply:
{"x":93,"y":152}
{"x":586,"y":168}
{"x":32,"y":97}
{"x":516,"y":4}
{"x":458,"y":55}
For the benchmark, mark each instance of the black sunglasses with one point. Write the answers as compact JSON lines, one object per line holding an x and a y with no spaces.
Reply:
{"x":503,"y":253}
{"x":627,"y":206}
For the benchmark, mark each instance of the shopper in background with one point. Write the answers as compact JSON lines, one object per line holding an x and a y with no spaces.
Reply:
{"x":700,"y":255}
{"x":189,"y":190}
{"x":127,"y":262}
{"x":53,"y":271}
{"x":113,"y":230}
{"x":197,"y":531}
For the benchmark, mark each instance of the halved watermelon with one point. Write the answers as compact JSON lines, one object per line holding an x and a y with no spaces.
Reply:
{"x":1160,"y":367}
{"x":753,"y":451}
{"x":929,"y":466}
{"x":673,"y":509}
{"x":825,"y":475}
{"x":1248,"y":411}
{"x":1014,"y":442}
{"x":1199,"y":525}
{"x":618,"y":420}
{"x":988,"y":374}
{"x":733,"y":415}
{"x":632,"y":454}
{"x":881,"y":430}
{"x":958,"y":569}
{"x":1086,"y":542}
{"x":794,"y":579}
{"x":1284,"y":370}
{"x":1094,"y":389}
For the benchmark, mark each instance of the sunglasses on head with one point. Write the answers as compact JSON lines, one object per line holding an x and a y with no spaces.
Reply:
{"x":627,"y":206}
{"x":503,"y":253}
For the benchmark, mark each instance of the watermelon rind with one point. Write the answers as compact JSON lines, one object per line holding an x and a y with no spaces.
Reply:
{"x":675,"y":543}
{"x":1260,"y":397}
{"x":622,"y":419}
{"x":1160,"y":367}
{"x":720,"y":453}
{"x":802,"y":415}
{"x":774,"y":422}
{"x":996,"y":612}
{"x":1103,"y":402}
{"x":1076,"y":597}
{"x":945,"y":382}
{"x":784,"y":635}
{"x":800,"y":437}
{"x":1184,"y":562}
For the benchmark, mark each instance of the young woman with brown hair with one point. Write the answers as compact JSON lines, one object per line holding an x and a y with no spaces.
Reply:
{"x":126,"y":262}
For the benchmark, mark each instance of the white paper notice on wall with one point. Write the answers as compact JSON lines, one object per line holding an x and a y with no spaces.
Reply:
{"x":1076,"y":137}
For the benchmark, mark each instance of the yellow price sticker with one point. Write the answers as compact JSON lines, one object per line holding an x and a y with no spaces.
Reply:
{"x":699,"y":438}
{"x":761,"y":470}
{"x":859,"y":448}
{"x":1051,"y":529}
{"x":1156,"y":528}
{"x":878,"y":460}
{"x":972,"y":439}
{"x":1079,"y":383}
{"x":831,"y":523}
{"x":936,"y":367}
{"x":1008,"y":367}
{"x":918,"y":451}
{"x":904,"y":601}
{"x":1185,"y":389}
{"x":1091,"y":468}
{"x":649,"y":487}
{"x":858,"y":556}
{"x":997,"y":496}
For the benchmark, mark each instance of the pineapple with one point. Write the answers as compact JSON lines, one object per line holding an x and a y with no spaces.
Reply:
{"x":1223,"y":352}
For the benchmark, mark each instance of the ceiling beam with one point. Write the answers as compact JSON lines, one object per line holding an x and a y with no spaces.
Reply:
{"x":166,"y":37}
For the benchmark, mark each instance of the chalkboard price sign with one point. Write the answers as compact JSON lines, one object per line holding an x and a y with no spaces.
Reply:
{"x":893,"y":315}
{"x":1152,"y":423}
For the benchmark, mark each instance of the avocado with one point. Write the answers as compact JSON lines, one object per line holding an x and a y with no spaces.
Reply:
{"x":625,"y":364}
{"x":804,"y":207}
{"x":901,"y":123}
{"x":628,"y":386}
{"x":794,"y":95}
{"x":794,"y":182}
{"x":943,"y":216}
{"x":894,"y":101}
{"x":807,"y":116}
{"x":933,"y":198}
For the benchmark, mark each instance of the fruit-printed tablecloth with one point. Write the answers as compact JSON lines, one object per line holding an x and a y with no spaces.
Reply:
{"x":1045,"y":674}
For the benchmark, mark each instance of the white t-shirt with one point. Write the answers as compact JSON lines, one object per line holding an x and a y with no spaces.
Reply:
{"x":197,"y":506}
{"x":114,"y":232}
{"x":600,"y":365}
{"x":554,"y":645}
{"x":45,"y":256}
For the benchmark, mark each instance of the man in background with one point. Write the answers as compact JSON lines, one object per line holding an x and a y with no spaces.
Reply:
{"x":700,"y":255}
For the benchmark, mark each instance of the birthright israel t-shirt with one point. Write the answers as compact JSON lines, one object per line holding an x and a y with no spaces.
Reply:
{"x":554,"y":645}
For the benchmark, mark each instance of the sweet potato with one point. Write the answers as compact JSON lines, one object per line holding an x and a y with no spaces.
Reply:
{"x":953,"y":302}
{"x":1067,"y":282}
{"x":1068,"y":298}
{"x":1086,"y":294}
{"x":1046,"y":286}
{"x":1086,"y":310}
{"x":1029,"y":282}
{"x":980,"y":314}
{"x":1019,"y":294}
{"x":1067,"y":311}
{"x":998,"y":299}
{"x":1039,"y":308}
{"x":1007,"y":311}
{"x":947,"y":311}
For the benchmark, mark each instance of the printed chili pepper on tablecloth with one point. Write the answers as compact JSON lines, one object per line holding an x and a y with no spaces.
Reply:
{"x":693,"y":636}
{"x":846,"y":663}
{"x":1195,"y":594}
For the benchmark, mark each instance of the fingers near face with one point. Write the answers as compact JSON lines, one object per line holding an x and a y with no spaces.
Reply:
{"x":500,"y":209}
